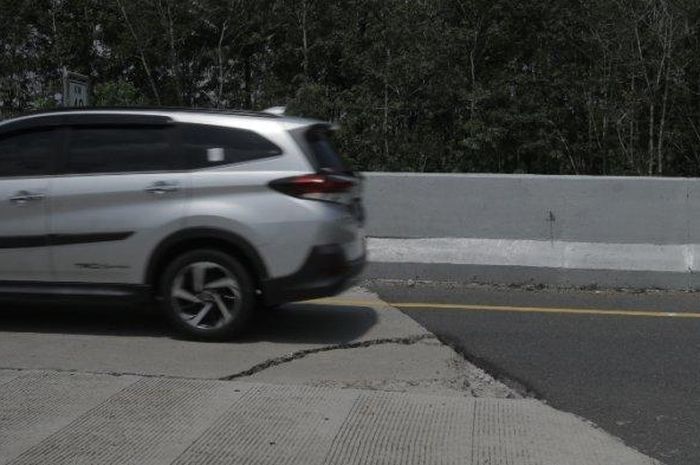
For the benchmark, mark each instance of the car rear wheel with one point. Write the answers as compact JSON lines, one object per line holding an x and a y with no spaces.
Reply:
{"x":207,"y":295}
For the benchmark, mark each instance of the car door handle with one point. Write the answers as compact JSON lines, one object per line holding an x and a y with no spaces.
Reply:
{"x":22,"y":197}
{"x":162,"y":187}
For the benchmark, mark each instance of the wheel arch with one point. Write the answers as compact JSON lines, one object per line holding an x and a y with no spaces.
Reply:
{"x":204,"y":238}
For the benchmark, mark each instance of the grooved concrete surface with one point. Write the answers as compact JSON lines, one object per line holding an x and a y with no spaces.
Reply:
{"x":36,"y":405}
{"x":122,"y":420}
{"x":8,"y":375}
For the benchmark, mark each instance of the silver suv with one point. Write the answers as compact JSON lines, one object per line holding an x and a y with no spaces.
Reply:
{"x":213,"y":213}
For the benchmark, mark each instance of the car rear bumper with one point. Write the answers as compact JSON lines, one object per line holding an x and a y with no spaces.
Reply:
{"x":326,"y":272}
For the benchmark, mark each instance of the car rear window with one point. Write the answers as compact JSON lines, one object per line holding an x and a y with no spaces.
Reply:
{"x":323,"y":155}
{"x":207,"y":146}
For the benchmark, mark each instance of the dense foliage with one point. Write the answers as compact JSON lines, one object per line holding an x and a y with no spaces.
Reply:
{"x":543,"y":86}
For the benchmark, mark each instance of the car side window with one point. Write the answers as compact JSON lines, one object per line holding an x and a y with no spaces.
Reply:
{"x":27,"y":153}
{"x":207,"y":146}
{"x":118,"y":149}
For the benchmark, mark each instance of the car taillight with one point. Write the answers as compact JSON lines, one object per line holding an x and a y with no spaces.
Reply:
{"x":326,"y":187}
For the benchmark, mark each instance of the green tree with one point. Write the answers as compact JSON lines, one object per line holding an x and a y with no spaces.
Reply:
{"x":546,"y":86}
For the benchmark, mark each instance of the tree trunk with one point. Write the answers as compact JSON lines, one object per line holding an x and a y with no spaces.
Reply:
{"x":591,"y":122}
{"x":139,"y":46}
{"x":633,"y":148}
{"x":174,"y":60}
{"x":385,"y":126}
{"x":668,"y":46}
{"x":652,"y":110}
{"x":472,"y":69}
{"x":662,"y":124}
{"x":248,"y":81}
{"x":220,"y":59}
{"x":305,"y":41}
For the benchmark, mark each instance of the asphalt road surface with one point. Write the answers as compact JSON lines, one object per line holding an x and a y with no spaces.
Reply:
{"x":628,"y":362}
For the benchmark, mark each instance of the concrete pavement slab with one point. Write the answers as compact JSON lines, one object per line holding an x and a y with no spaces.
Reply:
{"x":390,"y":322}
{"x":149,"y":422}
{"x":37,"y":404}
{"x":164,"y":421}
{"x":304,"y":353}
{"x":425,"y":366}
{"x":278,"y":425}
{"x":8,"y":375}
{"x":530,"y":432}
{"x":136,"y":342}
{"x":394,"y":428}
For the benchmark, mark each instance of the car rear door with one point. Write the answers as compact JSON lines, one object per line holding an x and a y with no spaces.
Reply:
{"x":121,"y":190}
{"x":25,"y":165}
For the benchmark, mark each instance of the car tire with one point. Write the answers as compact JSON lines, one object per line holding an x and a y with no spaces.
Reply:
{"x":207,"y":295}
{"x":272,"y":309}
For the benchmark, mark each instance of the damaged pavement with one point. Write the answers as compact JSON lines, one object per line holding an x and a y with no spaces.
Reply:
{"x":346,"y":380}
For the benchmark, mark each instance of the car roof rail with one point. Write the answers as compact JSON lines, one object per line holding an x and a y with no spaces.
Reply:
{"x":136,"y":109}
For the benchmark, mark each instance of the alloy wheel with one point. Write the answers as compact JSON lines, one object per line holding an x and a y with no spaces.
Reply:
{"x":206,"y":295}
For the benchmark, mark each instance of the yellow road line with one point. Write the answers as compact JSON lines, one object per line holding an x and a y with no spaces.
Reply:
{"x":515,"y":309}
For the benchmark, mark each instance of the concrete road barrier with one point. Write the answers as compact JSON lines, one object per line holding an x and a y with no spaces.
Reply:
{"x":561,"y":230}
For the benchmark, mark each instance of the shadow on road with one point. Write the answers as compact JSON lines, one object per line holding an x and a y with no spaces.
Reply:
{"x":301,"y":323}
{"x":314,"y":324}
